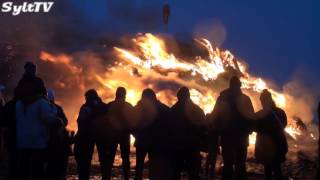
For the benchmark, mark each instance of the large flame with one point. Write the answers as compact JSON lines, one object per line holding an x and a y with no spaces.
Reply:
{"x":151,"y":65}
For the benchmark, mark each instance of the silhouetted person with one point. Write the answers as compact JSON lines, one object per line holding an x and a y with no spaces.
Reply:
{"x":271,"y":144}
{"x":187,"y":119}
{"x":93,"y":112}
{"x":29,"y":80}
{"x":29,"y":89}
{"x":161,"y":157}
{"x":120,"y":113}
{"x":2,"y":125}
{"x":9,"y":123}
{"x":152,"y":137}
{"x":146,"y":111}
{"x":34,"y":117}
{"x":2,"y":102}
{"x":232,"y":114}
{"x":2,"y":97}
{"x":58,"y":151}
{"x":318,"y":174}
{"x":213,"y":147}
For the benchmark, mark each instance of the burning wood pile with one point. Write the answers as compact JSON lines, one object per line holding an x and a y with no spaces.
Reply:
{"x":147,"y":62}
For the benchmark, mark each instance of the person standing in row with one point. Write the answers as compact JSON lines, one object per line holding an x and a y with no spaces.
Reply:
{"x":34,"y":116}
{"x":59,"y":149}
{"x":92,"y":112}
{"x":271,"y":144}
{"x":154,"y":137}
{"x":146,"y":113}
{"x":233,"y":114}
{"x":120,"y":114}
{"x":187,"y":120}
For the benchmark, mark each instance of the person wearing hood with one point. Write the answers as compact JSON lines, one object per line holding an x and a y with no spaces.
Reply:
{"x":271,"y":143}
{"x":232,"y":117}
{"x":187,"y":121}
{"x":34,"y":116}
{"x":29,"y":80}
{"x":91,"y":115}
{"x":59,"y":149}
{"x":146,"y":111}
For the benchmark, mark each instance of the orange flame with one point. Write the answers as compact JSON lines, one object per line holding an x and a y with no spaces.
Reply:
{"x":151,"y":63}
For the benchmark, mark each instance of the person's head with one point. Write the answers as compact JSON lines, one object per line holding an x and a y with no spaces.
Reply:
{"x":266,"y":100}
{"x":50,"y":94}
{"x":183,"y":94}
{"x":235,"y":83}
{"x":121,"y":93}
{"x":149,"y":94}
{"x":30,"y":69}
{"x":92,"y":97}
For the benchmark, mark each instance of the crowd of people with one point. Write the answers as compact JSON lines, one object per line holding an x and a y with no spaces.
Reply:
{"x":39,"y":144}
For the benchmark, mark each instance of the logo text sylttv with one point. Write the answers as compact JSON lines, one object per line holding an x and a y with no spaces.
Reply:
{"x":26,"y":7}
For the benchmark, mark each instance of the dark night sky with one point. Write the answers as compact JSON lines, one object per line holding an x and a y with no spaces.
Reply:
{"x":278,"y":38}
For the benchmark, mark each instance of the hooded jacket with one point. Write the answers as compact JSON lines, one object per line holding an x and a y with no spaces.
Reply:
{"x":32,"y":123}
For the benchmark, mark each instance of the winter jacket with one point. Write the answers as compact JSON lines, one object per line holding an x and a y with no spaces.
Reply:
{"x":271,"y":143}
{"x":32,"y":123}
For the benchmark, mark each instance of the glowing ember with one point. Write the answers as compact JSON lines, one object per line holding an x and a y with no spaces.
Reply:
{"x":312,"y":136}
{"x":150,"y":65}
{"x":132,"y":140}
{"x":252,"y":138}
{"x":293,"y":132}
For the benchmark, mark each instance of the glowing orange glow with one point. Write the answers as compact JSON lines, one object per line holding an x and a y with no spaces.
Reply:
{"x":293,"y":132}
{"x":252,"y":138}
{"x":150,"y":65}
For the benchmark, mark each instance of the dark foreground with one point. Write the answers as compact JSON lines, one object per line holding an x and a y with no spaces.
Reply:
{"x":299,"y":166}
{"x":302,"y":163}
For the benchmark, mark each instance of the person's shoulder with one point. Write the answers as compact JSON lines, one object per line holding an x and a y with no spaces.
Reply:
{"x":128,"y":104}
{"x":38,"y":79}
{"x":244,"y":98}
{"x":194,"y":105}
{"x":139,"y":103}
{"x":173,"y":107}
{"x":84,"y":107}
{"x":59,"y":108}
{"x":111,"y":103}
{"x":224,"y":92}
{"x":163,"y":106}
{"x":104,"y":104}
{"x":42,"y":100}
{"x":260,"y":114}
{"x":280,"y":111}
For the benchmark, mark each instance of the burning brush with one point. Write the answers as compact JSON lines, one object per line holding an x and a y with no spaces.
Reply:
{"x":149,"y":64}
